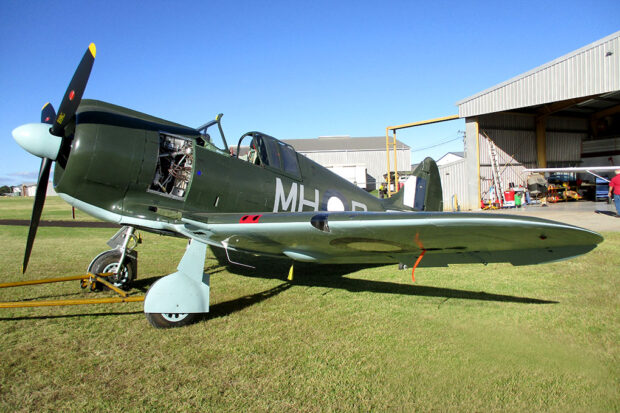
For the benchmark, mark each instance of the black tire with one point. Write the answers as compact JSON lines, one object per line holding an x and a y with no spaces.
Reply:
{"x":108,"y":261}
{"x":158,"y":320}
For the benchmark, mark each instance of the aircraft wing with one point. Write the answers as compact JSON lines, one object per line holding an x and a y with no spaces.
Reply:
{"x":392,"y":237}
{"x":576,"y":169}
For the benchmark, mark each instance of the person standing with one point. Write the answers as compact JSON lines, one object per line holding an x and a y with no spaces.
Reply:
{"x":614,"y":190}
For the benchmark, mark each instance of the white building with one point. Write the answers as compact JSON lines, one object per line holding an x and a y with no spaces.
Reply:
{"x":563,"y":113}
{"x":30,"y":189}
{"x":362,"y":161}
{"x":450,"y":157}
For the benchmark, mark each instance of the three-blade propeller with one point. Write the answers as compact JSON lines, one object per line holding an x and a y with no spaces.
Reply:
{"x":42,"y":140}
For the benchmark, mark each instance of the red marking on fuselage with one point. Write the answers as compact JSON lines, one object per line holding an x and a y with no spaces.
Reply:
{"x":249,"y":219}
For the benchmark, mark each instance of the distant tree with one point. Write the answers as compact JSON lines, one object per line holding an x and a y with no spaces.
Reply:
{"x":5,"y":189}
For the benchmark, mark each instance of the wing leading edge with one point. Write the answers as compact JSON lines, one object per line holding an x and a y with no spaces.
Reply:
{"x":382,"y":237}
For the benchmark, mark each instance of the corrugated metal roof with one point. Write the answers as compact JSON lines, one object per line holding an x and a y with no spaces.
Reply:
{"x":591,"y":70}
{"x":341,"y":143}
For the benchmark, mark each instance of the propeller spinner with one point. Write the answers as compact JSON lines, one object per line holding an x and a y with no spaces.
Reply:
{"x":45,"y":142}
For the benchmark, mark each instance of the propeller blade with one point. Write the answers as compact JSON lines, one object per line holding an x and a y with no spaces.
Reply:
{"x":48,"y":114}
{"x":73,"y":95}
{"x":39,"y":200}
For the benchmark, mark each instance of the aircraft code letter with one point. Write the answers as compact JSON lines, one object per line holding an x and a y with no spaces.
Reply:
{"x":303,"y":201}
{"x":286,"y":202}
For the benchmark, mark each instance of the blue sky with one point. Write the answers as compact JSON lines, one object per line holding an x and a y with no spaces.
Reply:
{"x":290,"y":69}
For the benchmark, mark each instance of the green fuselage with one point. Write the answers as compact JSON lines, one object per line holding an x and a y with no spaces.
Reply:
{"x":136,"y":165}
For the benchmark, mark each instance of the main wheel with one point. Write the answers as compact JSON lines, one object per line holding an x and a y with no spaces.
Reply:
{"x":107,"y":262}
{"x":170,"y":320}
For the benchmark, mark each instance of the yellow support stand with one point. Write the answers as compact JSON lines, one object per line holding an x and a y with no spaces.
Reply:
{"x":392,"y":146}
{"x":87,"y":280}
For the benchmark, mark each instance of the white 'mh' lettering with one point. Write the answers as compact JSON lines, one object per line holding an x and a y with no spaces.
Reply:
{"x":303,"y":201}
{"x":286,"y":201}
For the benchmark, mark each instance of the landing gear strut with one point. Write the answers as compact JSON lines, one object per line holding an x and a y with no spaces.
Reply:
{"x":121,"y":260}
{"x":175,"y":300}
{"x":181,"y":297}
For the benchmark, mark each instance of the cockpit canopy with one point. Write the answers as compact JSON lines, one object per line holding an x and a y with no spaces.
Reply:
{"x":264,"y":150}
{"x":253,"y":147}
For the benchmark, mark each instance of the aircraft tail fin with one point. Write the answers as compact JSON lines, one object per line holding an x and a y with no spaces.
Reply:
{"x":421,"y":192}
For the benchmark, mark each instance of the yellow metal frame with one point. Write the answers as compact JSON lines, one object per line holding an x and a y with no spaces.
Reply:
{"x":392,"y":145}
{"x":87,"y":280}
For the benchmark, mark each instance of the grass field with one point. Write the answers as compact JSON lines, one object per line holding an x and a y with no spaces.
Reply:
{"x":467,"y":338}
{"x":55,"y":209}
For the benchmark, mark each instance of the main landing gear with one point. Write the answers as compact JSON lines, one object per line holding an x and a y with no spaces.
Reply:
{"x":175,"y":300}
{"x":121,"y":261}
{"x":170,"y":320}
{"x":181,"y":297}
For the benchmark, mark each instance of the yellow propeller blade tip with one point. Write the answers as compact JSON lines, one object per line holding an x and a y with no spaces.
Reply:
{"x":93,"y":49}
{"x":45,"y":105}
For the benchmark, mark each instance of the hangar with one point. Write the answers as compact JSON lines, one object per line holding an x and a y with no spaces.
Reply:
{"x":362,"y":161}
{"x":561,"y":114}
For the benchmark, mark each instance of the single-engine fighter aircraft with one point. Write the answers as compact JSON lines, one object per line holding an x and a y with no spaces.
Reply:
{"x":145,"y":173}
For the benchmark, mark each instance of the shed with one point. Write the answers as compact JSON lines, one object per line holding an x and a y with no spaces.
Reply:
{"x":563,"y":113}
{"x":348,"y":156}
{"x":30,"y":189}
{"x":450,"y":157}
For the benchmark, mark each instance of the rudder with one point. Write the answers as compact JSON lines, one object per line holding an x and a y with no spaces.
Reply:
{"x":421,"y":192}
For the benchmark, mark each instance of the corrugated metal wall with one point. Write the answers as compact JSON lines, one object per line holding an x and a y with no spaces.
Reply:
{"x":587,"y":71}
{"x":564,"y":124}
{"x":453,"y":185}
{"x":516,"y":135}
{"x":513,"y":134}
{"x":520,"y":145}
{"x":564,"y":147}
{"x":375,"y":162}
{"x":515,"y":138}
{"x":611,"y":145}
{"x":516,"y":146}
{"x":511,"y":121}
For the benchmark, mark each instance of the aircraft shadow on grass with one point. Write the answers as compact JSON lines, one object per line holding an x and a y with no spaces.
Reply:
{"x":333,"y":276}
{"x":305,"y":276}
{"x":51,"y":317}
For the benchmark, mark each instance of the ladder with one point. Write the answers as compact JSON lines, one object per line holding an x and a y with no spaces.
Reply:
{"x":497,"y":182}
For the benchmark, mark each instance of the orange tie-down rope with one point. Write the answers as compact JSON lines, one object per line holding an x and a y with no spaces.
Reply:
{"x":416,"y":265}
{"x":419,"y":243}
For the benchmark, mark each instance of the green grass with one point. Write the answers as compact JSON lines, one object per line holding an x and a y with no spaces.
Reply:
{"x":475,"y":338}
{"x":54,"y":209}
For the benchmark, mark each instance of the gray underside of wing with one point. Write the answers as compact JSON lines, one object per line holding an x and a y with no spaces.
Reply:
{"x":372,"y":238}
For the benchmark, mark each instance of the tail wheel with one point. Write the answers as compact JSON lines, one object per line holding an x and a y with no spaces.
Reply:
{"x":170,"y":320}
